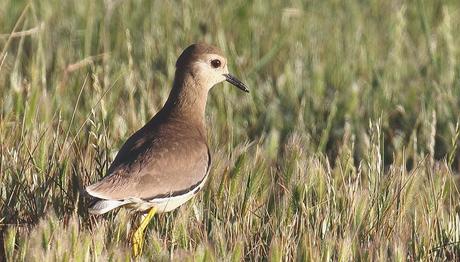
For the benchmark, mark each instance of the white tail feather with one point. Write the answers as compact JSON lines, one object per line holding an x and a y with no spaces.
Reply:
{"x":103,"y":206}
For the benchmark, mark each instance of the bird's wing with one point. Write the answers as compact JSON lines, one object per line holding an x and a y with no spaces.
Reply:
{"x":149,"y":167}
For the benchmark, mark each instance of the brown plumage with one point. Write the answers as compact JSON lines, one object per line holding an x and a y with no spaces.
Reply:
{"x":167,"y":161}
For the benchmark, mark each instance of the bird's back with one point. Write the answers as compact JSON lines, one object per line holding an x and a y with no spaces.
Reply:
{"x":166,"y":157}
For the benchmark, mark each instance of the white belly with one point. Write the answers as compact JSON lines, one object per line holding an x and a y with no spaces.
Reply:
{"x":167,"y":204}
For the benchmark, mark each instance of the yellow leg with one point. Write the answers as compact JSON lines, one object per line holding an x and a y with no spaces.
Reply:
{"x":138,"y":236}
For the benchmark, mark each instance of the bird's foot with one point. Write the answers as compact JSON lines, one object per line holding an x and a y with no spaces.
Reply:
{"x":138,"y":236}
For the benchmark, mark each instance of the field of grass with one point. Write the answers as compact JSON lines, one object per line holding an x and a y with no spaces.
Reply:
{"x":345,"y":149}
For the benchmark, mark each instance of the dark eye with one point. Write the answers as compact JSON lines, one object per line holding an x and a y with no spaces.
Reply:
{"x":215,"y":63}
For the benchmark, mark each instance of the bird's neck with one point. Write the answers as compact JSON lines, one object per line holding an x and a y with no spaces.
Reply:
{"x":187,"y":100}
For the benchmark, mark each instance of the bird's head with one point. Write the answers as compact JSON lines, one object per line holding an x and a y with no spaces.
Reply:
{"x":207,"y":65}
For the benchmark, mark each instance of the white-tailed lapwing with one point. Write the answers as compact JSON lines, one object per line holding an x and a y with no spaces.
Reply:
{"x":166,"y":162}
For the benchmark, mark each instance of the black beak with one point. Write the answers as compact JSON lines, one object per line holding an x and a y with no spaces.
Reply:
{"x":234,"y":81}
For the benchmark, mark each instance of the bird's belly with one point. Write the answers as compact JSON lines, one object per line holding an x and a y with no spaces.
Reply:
{"x":167,"y":204}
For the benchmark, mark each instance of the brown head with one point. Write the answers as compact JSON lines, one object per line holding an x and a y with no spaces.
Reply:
{"x":208,"y":65}
{"x":198,"y":69}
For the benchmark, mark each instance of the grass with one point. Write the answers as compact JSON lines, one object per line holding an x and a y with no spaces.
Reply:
{"x":345,"y":149}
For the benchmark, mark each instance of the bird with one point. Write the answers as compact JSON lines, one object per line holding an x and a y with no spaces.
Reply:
{"x":166,"y":162}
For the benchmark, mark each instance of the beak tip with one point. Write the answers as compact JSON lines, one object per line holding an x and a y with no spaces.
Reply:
{"x":234,"y":81}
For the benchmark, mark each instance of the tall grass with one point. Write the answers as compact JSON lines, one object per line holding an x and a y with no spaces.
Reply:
{"x":345,"y":149}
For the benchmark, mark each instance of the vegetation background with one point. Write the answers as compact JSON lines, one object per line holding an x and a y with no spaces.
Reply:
{"x":345,"y":149}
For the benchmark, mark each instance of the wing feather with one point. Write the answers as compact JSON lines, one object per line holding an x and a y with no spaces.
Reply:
{"x":153,"y":163}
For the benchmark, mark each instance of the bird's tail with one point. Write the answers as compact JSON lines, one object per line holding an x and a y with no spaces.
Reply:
{"x":101,"y":206}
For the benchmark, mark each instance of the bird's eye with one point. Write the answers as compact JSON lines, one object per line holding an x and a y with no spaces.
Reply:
{"x":215,"y":63}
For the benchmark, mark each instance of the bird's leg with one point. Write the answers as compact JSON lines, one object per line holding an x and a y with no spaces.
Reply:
{"x":138,"y":236}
